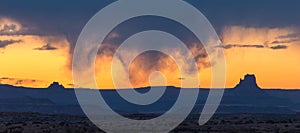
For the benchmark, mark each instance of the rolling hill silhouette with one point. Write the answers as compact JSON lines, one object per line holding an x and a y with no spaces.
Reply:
{"x":245,"y":97}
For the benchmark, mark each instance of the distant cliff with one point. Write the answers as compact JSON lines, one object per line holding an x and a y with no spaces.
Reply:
{"x":248,"y":86}
{"x":246,"y":97}
{"x":56,"y":85}
{"x":248,"y":82}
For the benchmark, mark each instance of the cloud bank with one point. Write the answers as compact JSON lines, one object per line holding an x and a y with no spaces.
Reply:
{"x":46,"y":47}
{"x":5,"y":43}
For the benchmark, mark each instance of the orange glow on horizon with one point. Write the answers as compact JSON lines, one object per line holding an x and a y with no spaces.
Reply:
{"x":273,"y":68}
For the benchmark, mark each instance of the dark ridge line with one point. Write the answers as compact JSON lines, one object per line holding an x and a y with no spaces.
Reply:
{"x":173,"y":87}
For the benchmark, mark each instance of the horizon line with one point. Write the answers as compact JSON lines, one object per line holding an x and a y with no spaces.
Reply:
{"x":146,"y":87}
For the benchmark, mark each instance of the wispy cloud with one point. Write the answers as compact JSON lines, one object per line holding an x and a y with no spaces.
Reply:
{"x":9,"y":27}
{"x":229,"y":46}
{"x":181,"y":78}
{"x":286,"y":41}
{"x":23,"y":82}
{"x":259,"y":37}
{"x":279,"y":47}
{"x":46,"y":47}
{"x":4,"y":43}
{"x":292,"y":35}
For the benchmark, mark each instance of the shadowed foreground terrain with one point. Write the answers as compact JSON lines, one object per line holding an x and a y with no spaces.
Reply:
{"x":246,"y":97}
{"x":37,"y":123}
{"x":244,"y":108}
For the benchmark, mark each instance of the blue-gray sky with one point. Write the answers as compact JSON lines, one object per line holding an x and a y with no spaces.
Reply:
{"x":259,"y":36}
{"x":69,"y":17}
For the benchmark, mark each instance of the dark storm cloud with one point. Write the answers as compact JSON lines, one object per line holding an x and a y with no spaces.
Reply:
{"x":46,"y":47}
{"x":52,"y":17}
{"x":4,"y":43}
{"x":56,"y":17}
{"x":138,"y":24}
{"x":67,"y":18}
{"x":250,"y":13}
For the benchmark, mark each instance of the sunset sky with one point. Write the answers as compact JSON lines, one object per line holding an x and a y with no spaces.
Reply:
{"x":37,"y":40}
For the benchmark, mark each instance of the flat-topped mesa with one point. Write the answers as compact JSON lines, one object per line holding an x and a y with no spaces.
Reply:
{"x":56,"y":85}
{"x":248,"y":83}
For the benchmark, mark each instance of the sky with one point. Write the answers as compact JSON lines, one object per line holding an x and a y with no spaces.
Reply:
{"x":37,"y":40}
